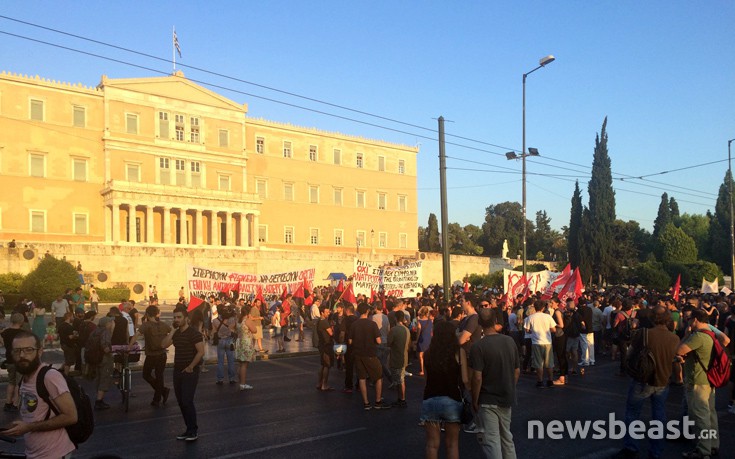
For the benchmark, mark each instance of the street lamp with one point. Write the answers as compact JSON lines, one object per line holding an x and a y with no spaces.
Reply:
{"x":732,"y":227}
{"x":531,"y":151}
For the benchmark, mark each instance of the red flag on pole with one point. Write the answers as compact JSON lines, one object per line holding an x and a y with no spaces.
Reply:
{"x":194,"y":303}
{"x":259,"y":294}
{"x":677,"y":288}
{"x":299,"y":293}
{"x":341,"y":286}
{"x":284,"y":294}
{"x":373,"y":295}
{"x":558,"y":283}
{"x":573,"y":288}
{"x":308,"y":297}
{"x":348,"y":294}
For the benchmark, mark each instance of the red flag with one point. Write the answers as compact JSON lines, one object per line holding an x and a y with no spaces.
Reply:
{"x":341,"y":286}
{"x":677,"y":287}
{"x":308,"y":297}
{"x":373,"y":296}
{"x":573,"y":288}
{"x":194,"y":303}
{"x":299,"y":293}
{"x":558,"y":283}
{"x":284,"y":294}
{"x":259,"y":294}
{"x":348,"y":294}
{"x":519,"y":287}
{"x":507,"y":291}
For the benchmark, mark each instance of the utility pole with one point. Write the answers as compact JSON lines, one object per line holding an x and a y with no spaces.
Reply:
{"x":732,"y":225}
{"x":445,"y":224}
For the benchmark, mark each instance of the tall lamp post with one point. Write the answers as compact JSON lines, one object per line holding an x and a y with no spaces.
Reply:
{"x":732,"y":226}
{"x":531,"y":151}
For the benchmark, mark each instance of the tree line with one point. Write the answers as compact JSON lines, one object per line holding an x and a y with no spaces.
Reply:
{"x":606,"y":249}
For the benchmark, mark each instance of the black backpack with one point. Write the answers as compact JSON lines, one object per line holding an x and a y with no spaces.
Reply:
{"x":640,"y":363}
{"x":83,"y":428}
{"x":93,"y":352}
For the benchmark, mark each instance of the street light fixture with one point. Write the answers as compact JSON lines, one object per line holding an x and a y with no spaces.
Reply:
{"x":544,"y":61}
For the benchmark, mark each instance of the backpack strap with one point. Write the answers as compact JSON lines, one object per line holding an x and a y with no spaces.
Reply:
{"x":696,"y":357}
{"x":43,"y":391}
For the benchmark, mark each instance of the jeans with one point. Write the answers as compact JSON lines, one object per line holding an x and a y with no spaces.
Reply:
{"x":155,"y":363}
{"x":223,"y":349}
{"x":383,"y":353}
{"x":185,"y":386}
{"x":638,"y":393}
{"x":588,"y":348}
{"x":496,"y":440}
{"x":701,"y":400}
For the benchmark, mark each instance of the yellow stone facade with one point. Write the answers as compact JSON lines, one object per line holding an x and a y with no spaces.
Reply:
{"x":166,"y":162}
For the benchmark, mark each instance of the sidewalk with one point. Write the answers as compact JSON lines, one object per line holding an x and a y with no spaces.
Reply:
{"x":294,"y":348}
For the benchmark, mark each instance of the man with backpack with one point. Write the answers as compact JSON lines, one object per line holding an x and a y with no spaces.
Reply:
{"x":153,"y":331}
{"x":43,"y":419}
{"x":623,"y":325}
{"x":695,"y":351}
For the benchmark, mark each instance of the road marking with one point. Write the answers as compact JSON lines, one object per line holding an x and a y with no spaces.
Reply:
{"x":171,"y":416}
{"x":291,"y":443}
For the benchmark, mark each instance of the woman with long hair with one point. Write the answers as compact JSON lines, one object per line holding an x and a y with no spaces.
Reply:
{"x":244,"y":349}
{"x":424,"y":331}
{"x":445,"y":365}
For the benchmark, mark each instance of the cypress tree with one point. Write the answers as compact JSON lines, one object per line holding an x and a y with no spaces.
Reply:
{"x":432,"y":235}
{"x":719,"y":228}
{"x":575,"y":226}
{"x":674,"y":208}
{"x":663,"y":218}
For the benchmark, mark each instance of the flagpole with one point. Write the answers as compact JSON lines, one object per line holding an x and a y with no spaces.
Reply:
{"x":173,"y":47}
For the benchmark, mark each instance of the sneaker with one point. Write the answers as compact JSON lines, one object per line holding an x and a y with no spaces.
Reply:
{"x":472,"y":428}
{"x":101,"y":405}
{"x":219,"y":383}
{"x":399,"y":404}
{"x":204,"y":370}
{"x":540,"y":384}
{"x":164,"y":396}
{"x":560,"y":381}
{"x":380,"y":405}
{"x":246,"y":387}
{"x":182,"y":436}
{"x":346,"y":390}
{"x":367,"y":406}
{"x":232,"y":382}
{"x":191,"y":437}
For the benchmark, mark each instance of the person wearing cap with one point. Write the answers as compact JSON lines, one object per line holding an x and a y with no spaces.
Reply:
{"x":103,"y":378}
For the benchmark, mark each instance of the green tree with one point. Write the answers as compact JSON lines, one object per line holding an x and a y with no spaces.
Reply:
{"x":651,"y":274}
{"x":432,"y":235}
{"x":423,"y":243}
{"x":11,"y":282}
{"x":696,"y":226}
{"x":676,"y":246}
{"x":461,"y":241}
{"x":719,"y":229}
{"x":542,"y":238}
{"x":50,"y":278}
{"x":575,"y":227}
{"x":625,"y":248}
{"x":663,"y":218}
{"x":504,"y":221}
{"x":674,"y":209}
{"x":601,"y":210}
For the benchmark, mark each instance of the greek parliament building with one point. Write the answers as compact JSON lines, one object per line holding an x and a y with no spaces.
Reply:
{"x":138,"y":177}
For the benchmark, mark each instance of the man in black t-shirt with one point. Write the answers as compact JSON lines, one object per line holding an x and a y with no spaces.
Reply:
{"x":68,"y":341}
{"x":326,"y":348}
{"x":364,"y":337}
{"x":470,"y":331}
{"x":347,"y":322}
{"x":189,"y":345}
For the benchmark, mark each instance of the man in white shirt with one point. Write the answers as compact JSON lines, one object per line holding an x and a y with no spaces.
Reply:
{"x":542,"y":326}
{"x":60,"y":307}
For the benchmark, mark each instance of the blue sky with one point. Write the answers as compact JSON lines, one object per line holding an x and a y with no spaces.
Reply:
{"x":662,"y":72}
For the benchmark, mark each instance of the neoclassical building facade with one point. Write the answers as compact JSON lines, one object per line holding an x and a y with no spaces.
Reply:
{"x":166,"y":162}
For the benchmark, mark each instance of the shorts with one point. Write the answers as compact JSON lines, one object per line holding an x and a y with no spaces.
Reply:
{"x":397,"y":375}
{"x":542,"y":356}
{"x":277,"y":331}
{"x":326,"y":355}
{"x":14,"y":376}
{"x":572,"y":344}
{"x":440,"y":410}
{"x":368,"y":367}
{"x":69,"y":355}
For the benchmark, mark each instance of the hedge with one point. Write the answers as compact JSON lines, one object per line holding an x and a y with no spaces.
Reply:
{"x":113,"y":295}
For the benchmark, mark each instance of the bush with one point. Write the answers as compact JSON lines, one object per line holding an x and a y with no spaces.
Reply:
{"x":11,"y":282}
{"x":652,"y":275}
{"x":532,"y":268}
{"x":113,"y":295}
{"x":692,"y":273}
{"x":488,"y":280}
{"x":50,"y":278}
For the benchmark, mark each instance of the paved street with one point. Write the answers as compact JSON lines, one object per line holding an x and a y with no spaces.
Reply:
{"x":284,"y":416}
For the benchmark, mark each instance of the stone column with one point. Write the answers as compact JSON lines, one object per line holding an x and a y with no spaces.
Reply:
{"x":115,"y":222}
{"x":131,"y":224}
{"x":256,"y":232}
{"x":198,"y":240}
{"x":213,"y":228}
{"x":149,"y":224}
{"x":244,"y":222}
{"x":108,"y":224}
{"x":228,"y":229}
{"x":183,"y":227}
{"x":166,"y":225}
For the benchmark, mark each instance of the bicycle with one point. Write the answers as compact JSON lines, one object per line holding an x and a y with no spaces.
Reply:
{"x":125,"y":354}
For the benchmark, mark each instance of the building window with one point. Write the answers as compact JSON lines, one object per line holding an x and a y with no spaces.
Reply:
{"x":224,"y":182}
{"x":132,"y":172}
{"x":338,"y":237}
{"x":338,"y":196}
{"x":337,"y":157}
{"x":288,"y":191}
{"x":403,"y":241}
{"x":260,"y":145}
{"x":36,"y":110}
{"x":360,"y":199}
{"x":361,"y":238}
{"x":180,"y":172}
{"x":381,"y":201}
{"x":381,"y":163}
{"x":80,"y":224}
{"x":38,"y":221}
{"x":288,"y":234}
{"x":79,"y":116}
{"x":314,"y":236}
{"x":79,"y":169}
{"x":163,"y":132}
{"x":313,"y":153}
{"x":359,"y":161}
{"x":314,"y":194}
{"x":180,"y":127}
{"x":131,"y":123}
{"x":401,"y":166}
{"x":287,"y":149}
{"x":382,"y":240}
{"x":37,"y":165}
{"x":262,"y":233}
{"x":224,"y":138}
{"x":196,"y":175}
{"x":261,"y":188}
{"x":402,"y":203}
{"x":164,"y":171}
{"x":195,"y":127}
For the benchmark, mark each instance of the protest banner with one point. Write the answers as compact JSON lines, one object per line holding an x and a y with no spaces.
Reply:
{"x":365,"y":278}
{"x":536,"y":281}
{"x":398,"y":281}
{"x":206,"y":281}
